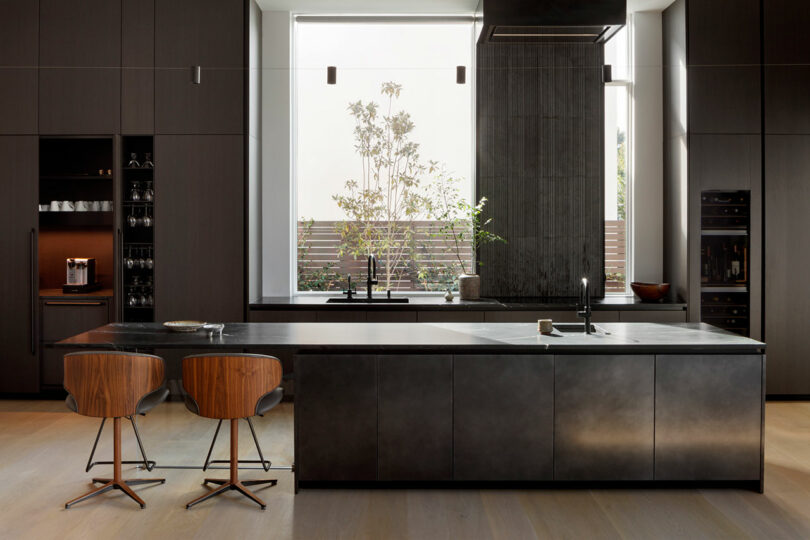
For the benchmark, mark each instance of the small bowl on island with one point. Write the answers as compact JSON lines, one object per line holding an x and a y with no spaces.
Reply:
{"x":650,"y":292}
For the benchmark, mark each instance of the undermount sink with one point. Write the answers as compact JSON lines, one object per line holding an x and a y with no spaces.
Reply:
{"x":363,"y":300}
{"x":570,"y":328}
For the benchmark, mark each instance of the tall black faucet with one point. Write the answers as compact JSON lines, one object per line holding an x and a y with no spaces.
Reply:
{"x":584,"y":308}
{"x":372,"y":274}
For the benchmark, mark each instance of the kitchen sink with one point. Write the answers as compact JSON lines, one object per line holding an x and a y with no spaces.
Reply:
{"x":363,"y":300}
{"x":571,"y":328}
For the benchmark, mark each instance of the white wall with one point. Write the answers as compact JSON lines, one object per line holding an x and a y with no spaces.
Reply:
{"x":648,"y":154}
{"x":277,"y":219}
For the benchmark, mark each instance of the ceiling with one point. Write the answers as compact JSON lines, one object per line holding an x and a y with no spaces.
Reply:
{"x":408,"y":6}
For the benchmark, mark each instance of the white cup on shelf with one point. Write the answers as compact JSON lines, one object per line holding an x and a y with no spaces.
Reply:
{"x":68,"y":206}
{"x":56,"y":206}
{"x":44,"y":207}
{"x":106,"y":206}
{"x":82,"y":206}
{"x":94,"y":206}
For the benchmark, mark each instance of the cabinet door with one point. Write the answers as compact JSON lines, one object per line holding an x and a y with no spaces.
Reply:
{"x":199,"y":227}
{"x":603,"y":417}
{"x":80,"y":33}
{"x":63,"y":318}
{"x":336,"y":417}
{"x":80,"y":61}
{"x":208,"y":34}
{"x":138,"y":63}
{"x":708,"y":417}
{"x":214,"y":106}
{"x":503,"y":417}
{"x":415,"y":437}
{"x":18,"y":286}
{"x":76,"y":101}
{"x":19,"y":56}
{"x":787,"y":300}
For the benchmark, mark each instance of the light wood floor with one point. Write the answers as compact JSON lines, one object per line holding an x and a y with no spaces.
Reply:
{"x":43,"y":449}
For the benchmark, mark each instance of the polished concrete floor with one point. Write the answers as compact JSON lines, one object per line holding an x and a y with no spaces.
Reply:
{"x":43,"y":449}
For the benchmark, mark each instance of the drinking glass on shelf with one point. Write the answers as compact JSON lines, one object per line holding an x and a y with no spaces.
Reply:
{"x":129,"y":262}
{"x":150,"y":262}
{"x":147,"y":161}
{"x":135,"y":192}
{"x":146,"y":220}
{"x":141,"y":261}
{"x":142,"y":299}
{"x":132,"y":300}
{"x":132,"y":219}
{"x":133,"y":160}
{"x":149,"y":193}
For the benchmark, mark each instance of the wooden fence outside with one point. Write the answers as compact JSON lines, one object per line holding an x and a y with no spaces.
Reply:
{"x":428,"y":262}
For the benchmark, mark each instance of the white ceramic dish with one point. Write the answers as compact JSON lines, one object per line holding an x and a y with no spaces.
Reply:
{"x":184,"y":326}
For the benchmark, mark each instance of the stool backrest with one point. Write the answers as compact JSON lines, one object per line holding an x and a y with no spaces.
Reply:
{"x":230,"y":385}
{"x":110,"y":384}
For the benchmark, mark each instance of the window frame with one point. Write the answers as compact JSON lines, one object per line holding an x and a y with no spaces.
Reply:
{"x":629,"y":160}
{"x":309,"y":18}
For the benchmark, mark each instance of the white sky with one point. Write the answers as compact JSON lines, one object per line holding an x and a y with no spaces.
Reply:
{"x":422,"y":58}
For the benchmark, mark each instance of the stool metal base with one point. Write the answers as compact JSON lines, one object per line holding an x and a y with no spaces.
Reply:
{"x":145,"y":463}
{"x":123,"y":485}
{"x":227,"y":485}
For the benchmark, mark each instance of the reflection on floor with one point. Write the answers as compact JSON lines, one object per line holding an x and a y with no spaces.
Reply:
{"x":43,"y":449}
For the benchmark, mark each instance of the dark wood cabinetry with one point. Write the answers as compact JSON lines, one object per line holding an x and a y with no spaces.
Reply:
{"x":80,"y":59}
{"x":199,"y":227}
{"x":208,"y":35}
{"x":18,"y":286}
{"x":336,"y":419}
{"x":137,"y":67}
{"x":415,"y":417}
{"x":787,"y":192}
{"x":61,"y":318}
{"x":79,"y":101}
{"x":708,"y":399}
{"x":503,"y":420}
{"x":19,"y":54}
{"x":603,"y":417}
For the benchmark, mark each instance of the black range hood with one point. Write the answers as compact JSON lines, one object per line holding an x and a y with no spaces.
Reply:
{"x":549,"y":21}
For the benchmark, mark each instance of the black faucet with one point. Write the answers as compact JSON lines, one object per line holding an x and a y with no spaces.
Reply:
{"x":372,"y":274}
{"x":584,"y":307}
{"x":349,"y":292}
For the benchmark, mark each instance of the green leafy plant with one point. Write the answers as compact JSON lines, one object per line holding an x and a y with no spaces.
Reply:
{"x":462,"y":224}
{"x":319,"y":279}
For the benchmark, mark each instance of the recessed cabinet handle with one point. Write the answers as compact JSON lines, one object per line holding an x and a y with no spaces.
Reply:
{"x":195,"y":74}
{"x":33,"y":248}
{"x":74,"y":303}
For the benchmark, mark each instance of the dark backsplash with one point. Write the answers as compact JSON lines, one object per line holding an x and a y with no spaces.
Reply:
{"x":540,"y":124}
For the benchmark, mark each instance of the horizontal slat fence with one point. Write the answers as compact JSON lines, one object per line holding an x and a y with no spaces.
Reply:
{"x":427,"y":264}
{"x":615,"y":256}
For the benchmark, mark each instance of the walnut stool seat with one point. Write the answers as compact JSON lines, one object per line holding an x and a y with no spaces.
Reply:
{"x":113,"y":385}
{"x":230,"y":387}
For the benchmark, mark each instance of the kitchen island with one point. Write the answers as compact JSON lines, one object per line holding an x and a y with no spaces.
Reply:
{"x":636,"y":403}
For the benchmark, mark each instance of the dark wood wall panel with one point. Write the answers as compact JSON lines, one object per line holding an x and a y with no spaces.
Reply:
{"x":19,"y":52}
{"x":540,"y":163}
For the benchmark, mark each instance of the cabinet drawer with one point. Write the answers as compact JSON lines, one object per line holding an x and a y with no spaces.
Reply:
{"x":64,"y":318}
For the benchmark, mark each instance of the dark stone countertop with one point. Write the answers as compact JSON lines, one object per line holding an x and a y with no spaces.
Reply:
{"x":630,"y":338}
{"x":438,"y":303}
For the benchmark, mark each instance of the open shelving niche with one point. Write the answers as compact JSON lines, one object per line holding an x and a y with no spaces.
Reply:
{"x":75,"y":169}
{"x":138,"y":239}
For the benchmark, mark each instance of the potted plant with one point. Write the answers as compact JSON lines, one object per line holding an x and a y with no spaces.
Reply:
{"x":462,"y":224}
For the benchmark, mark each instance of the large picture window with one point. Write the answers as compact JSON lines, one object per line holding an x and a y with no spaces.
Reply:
{"x":383,"y":147}
{"x":618,"y":135}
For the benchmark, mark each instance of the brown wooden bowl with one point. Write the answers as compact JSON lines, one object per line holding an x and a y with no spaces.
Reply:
{"x":650,"y":292}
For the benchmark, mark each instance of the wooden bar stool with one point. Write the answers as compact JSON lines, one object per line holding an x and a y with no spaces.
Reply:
{"x":112,"y":385}
{"x":230,"y":387}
